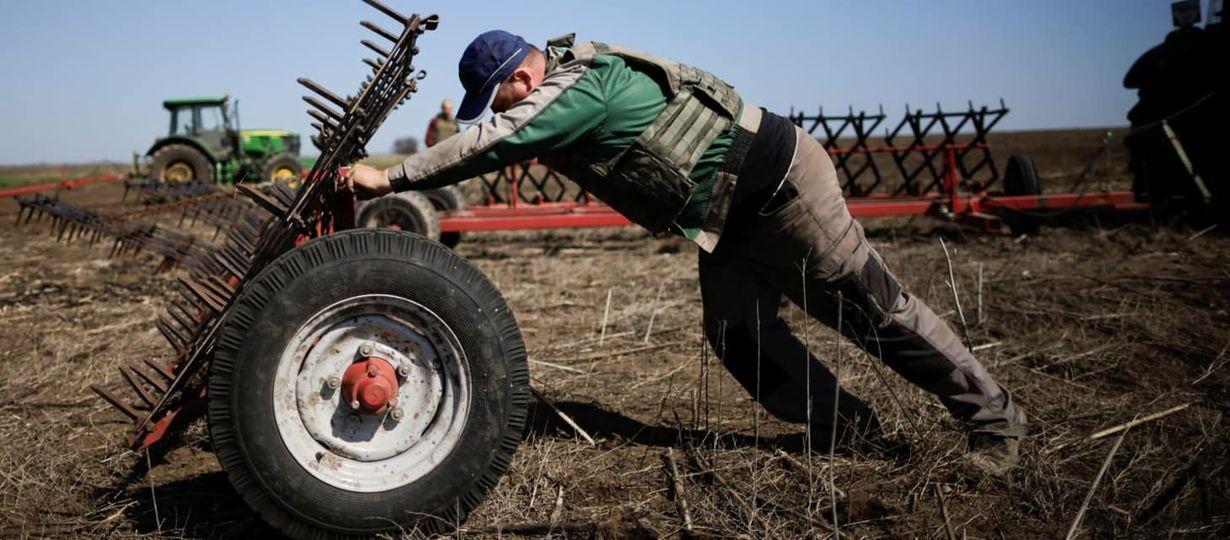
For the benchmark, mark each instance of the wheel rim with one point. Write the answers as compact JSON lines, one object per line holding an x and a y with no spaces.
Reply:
{"x":284,"y":174}
{"x":361,"y":451}
{"x":178,"y":171}
{"x":398,"y":219}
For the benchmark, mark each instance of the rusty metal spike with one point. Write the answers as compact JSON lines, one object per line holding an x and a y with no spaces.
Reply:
{"x":119,"y":405}
{"x":322,"y":107}
{"x":392,"y":13}
{"x":323,"y":92}
{"x":374,"y":64}
{"x":170,"y":334}
{"x":182,"y":316}
{"x":161,"y":370}
{"x":376,"y":48}
{"x":263,"y":200}
{"x":136,"y":386}
{"x":378,"y":30}
{"x":153,"y":380}
{"x":217,"y":304}
{"x":322,"y":118}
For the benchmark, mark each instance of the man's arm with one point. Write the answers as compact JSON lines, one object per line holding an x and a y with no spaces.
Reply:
{"x":564,"y":107}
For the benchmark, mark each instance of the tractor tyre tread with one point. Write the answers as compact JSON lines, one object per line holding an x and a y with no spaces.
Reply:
{"x":202,"y":169}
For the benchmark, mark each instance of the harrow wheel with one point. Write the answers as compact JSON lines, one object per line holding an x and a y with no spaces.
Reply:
{"x":367,"y":382}
{"x":445,"y":199}
{"x":407,"y":211}
{"x":1021,"y":178}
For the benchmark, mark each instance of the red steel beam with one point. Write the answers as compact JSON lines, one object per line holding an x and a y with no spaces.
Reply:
{"x":68,"y":184}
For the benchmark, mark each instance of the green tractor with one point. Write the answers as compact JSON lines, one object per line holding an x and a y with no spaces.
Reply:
{"x":205,"y":143}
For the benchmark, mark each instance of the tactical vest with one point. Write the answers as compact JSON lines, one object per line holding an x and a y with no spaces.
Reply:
{"x":649,"y":182}
{"x":443,"y":127}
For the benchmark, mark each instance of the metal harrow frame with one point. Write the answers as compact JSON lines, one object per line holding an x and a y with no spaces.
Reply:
{"x":171,"y":396}
{"x":934,"y":163}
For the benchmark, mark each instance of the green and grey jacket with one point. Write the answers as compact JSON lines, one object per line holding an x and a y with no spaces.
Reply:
{"x":659,"y":141}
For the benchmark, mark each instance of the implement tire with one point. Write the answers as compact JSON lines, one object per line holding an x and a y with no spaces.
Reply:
{"x":407,"y":211}
{"x":1021,"y":178}
{"x":310,"y":463}
{"x":445,"y":199}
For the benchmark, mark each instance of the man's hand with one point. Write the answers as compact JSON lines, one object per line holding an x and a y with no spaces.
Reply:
{"x":368,"y":182}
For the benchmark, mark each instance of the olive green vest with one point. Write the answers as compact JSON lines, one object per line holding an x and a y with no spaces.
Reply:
{"x":648,"y":181}
{"x":443,"y":128}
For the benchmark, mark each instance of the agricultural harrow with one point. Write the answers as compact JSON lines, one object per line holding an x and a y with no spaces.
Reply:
{"x":358,"y":381}
{"x":935,"y":163}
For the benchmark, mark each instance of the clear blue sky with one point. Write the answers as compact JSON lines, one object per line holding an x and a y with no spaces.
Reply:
{"x":83,"y":80}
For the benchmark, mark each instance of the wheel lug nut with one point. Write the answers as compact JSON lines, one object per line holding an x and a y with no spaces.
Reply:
{"x":333,"y":382}
{"x":354,"y":404}
{"x":403,"y":370}
{"x":366,"y":349}
{"x":396,"y":413}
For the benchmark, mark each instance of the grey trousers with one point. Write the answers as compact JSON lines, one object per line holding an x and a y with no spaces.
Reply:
{"x":811,"y":250}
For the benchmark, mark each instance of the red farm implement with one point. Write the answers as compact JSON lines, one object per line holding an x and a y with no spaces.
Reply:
{"x":929,"y":163}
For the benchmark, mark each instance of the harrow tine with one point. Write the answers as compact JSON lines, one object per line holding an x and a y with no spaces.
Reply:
{"x":263,"y":200}
{"x":215,"y":303}
{"x":377,"y":29}
{"x":168,"y":332}
{"x":322,"y":107}
{"x":376,"y":48}
{"x":153,"y":380}
{"x":136,"y":386}
{"x":387,"y":10}
{"x":119,"y":405}
{"x":325,"y":120}
{"x":374,"y":64}
{"x":159,"y":369}
{"x":323,"y":92}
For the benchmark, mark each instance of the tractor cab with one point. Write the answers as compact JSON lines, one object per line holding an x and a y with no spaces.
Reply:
{"x":206,"y":120}
{"x":204,"y":143}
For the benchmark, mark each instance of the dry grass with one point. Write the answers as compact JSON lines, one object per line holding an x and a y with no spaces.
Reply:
{"x":1090,"y":326}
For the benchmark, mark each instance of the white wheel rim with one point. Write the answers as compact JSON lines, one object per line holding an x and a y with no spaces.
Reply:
{"x":365,"y":452}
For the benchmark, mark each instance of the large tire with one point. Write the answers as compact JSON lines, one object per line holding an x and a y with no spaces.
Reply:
{"x":287,"y":333}
{"x":1021,"y":178}
{"x":285,"y":168}
{"x":445,"y":199}
{"x":180,"y":163}
{"x":407,"y":211}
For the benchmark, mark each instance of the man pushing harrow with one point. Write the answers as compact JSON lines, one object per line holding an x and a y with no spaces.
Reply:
{"x":675,"y":149}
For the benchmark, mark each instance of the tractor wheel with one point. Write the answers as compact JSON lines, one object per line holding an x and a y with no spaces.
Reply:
{"x":368,"y":382}
{"x":445,"y":199}
{"x":406,"y":211}
{"x":179,"y":163}
{"x":283,"y":168}
{"x":1021,"y":178}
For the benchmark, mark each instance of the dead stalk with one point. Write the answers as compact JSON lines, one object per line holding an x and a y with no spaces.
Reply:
{"x":1136,"y":422}
{"x":956,"y":297}
{"x":606,"y":313}
{"x":653,"y":313}
{"x":676,"y":488}
{"x":1076,"y":522}
{"x":567,"y":419}
{"x":939,"y":496}
{"x":833,"y":427}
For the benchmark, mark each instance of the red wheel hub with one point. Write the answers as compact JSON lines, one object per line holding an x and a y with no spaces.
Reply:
{"x":370,"y":385}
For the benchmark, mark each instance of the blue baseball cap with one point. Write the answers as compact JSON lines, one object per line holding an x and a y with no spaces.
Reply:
{"x":490,"y":59}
